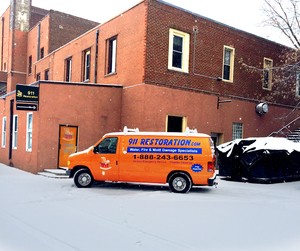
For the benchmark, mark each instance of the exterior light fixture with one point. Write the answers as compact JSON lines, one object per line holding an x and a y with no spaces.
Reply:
{"x":262,"y":108}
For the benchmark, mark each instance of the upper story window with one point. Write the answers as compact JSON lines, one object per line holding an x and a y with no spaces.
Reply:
{"x":86,"y":65}
{"x":68,"y":69}
{"x":42,"y":53}
{"x":298,"y":84}
{"x":267,"y":73}
{"x":38,"y":76}
{"x":111,"y":55}
{"x":29,"y":64}
{"x":179,"y":50}
{"x":228,"y":63}
{"x":46,"y":74}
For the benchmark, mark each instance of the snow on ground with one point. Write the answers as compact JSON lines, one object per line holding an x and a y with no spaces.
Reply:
{"x":39,"y":213}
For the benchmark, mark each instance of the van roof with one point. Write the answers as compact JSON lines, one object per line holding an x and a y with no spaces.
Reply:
{"x":136,"y":132}
{"x":174,"y":134}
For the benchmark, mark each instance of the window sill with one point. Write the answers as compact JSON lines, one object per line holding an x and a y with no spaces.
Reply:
{"x":110,"y":74}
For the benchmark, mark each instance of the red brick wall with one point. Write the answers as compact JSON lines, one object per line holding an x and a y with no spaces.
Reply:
{"x":147,"y":106}
{"x":209,"y":42}
{"x":65,"y":27}
{"x":6,"y":41}
{"x":130,"y":31}
{"x":94,"y":109}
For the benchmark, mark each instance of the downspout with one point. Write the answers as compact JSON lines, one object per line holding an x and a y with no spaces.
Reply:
{"x":96,"y":57}
{"x":2,"y":41}
{"x":12,"y":27}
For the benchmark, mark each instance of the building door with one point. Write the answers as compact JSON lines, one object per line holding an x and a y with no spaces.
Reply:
{"x":67,"y":143}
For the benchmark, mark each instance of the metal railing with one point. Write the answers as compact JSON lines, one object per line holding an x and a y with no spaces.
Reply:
{"x":285,"y":127}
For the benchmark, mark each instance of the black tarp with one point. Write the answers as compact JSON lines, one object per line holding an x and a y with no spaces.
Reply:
{"x":259,"y":159}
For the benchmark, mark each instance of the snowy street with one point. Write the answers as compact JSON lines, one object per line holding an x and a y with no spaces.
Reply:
{"x":45,"y":214}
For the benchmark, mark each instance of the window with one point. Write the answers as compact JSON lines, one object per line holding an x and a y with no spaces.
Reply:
{"x":112,"y":55}
{"x":237,"y":131}
{"x":176,"y":123}
{"x":38,"y":76}
{"x":298,"y":84}
{"x":87,"y":65}
{"x":29,"y":132}
{"x":42,"y":53}
{"x":47,"y":74}
{"x":68,"y":69}
{"x":108,"y":145}
{"x":179,"y":48}
{"x":30,"y":65}
{"x":267,"y":73}
{"x":39,"y":41}
{"x":15,"y":132}
{"x":228,"y":63}
{"x":3,"y":142}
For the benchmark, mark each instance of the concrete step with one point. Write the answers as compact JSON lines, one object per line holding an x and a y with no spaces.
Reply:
{"x":54,"y":173}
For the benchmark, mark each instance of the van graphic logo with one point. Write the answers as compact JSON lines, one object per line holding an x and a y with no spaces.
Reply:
{"x":197,"y":168}
{"x":104,"y":164}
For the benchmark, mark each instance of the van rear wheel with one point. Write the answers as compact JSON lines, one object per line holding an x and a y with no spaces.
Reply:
{"x":83,"y":178}
{"x":180,"y":183}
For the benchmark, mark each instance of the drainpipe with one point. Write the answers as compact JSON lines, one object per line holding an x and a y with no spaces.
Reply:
{"x":2,"y":41}
{"x":96,"y":56}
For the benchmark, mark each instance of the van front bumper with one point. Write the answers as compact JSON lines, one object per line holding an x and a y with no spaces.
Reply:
{"x":68,"y":172}
{"x":212,"y":181}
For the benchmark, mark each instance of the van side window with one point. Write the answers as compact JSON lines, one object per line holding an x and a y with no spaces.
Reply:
{"x":108,"y":145}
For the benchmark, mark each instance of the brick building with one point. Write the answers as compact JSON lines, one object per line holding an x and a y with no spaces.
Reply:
{"x":155,"y":66}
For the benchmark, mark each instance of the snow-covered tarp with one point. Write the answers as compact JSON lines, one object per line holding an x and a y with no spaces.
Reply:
{"x":263,"y":143}
{"x":268,"y":158}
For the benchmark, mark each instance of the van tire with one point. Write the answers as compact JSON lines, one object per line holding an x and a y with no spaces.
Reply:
{"x":83,"y":178}
{"x":180,"y":183}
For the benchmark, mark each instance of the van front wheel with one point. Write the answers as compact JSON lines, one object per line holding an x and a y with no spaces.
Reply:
{"x":180,"y":183}
{"x":83,"y":178}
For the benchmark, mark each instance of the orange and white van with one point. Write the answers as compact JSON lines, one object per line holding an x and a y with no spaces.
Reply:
{"x":182,"y":160}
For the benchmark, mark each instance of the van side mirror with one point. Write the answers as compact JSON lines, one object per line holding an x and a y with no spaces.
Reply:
{"x":95,"y":150}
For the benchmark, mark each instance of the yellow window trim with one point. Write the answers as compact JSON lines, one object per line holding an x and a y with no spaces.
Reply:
{"x":230,"y":80}
{"x":266,"y":61}
{"x":185,"y":52}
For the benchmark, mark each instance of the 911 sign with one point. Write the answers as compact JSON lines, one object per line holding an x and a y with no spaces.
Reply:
{"x":27,"y":93}
{"x":27,"y":97}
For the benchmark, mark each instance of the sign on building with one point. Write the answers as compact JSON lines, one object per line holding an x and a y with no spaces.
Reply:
{"x":27,"y":93}
{"x":27,"y":97}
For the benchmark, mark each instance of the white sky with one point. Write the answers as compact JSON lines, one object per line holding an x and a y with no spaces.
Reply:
{"x":244,"y":15}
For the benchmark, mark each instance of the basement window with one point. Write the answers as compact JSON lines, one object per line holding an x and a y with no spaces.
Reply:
{"x":237,"y":131}
{"x":176,"y":123}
